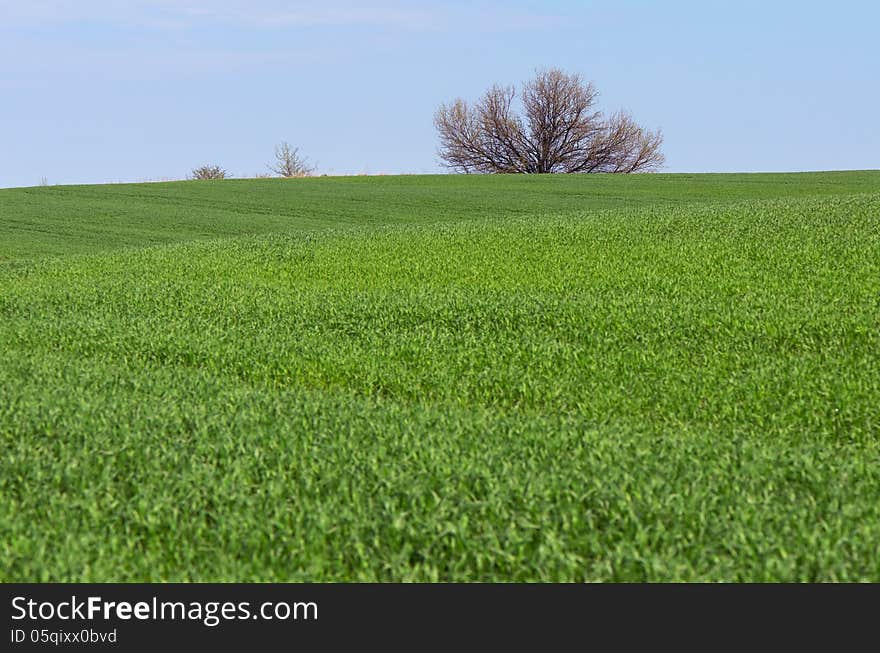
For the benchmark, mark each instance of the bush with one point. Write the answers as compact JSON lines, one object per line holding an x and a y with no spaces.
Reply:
{"x":290,"y":163}
{"x":209,"y":172}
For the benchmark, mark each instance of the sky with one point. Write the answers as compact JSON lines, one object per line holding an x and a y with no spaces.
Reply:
{"x":95,"y":91}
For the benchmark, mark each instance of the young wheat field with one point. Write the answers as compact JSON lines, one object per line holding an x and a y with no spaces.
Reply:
{"x":442,"y":378}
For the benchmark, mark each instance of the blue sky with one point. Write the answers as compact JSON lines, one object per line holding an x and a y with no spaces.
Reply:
{"x":105,"y":91}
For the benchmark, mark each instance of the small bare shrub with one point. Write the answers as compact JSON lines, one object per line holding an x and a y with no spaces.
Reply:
{"x":209,"y":172}
{"x":290,"y":163}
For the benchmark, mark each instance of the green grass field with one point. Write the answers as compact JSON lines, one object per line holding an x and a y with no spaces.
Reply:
{"x":566,"y":378}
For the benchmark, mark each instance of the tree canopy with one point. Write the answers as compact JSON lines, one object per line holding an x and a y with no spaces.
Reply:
{"x":559,"y":130}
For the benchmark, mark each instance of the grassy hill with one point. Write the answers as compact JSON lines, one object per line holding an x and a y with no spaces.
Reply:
{"x":64,"y":220}
{"x":664,"y":377}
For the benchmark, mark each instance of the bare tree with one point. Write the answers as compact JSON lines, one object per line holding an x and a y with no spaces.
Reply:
{"x":289,"y":162}
{"x":209,"y":172}
{"x":559,"y":131}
